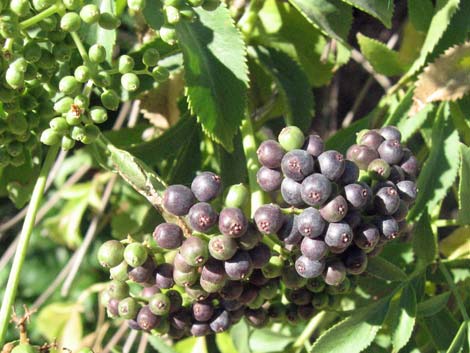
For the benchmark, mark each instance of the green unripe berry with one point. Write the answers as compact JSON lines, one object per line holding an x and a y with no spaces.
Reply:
{"x":46,"y":61}
{"x":63,"y":105}
{"x":14,"y":77}
{"x":15,"y":148}
{"x":90,"y":13}
{"x":12,"y":107}
{"x":130,"y":82}
{"x":125,"y":64}
{"x":9,"y":27}
{"x":102,"y":79}
{"x":172,"y":15}
{"x":32,"y":52}
{"x":62,"y":52}
{"x":59,"y":125}
{"x":85,"y":350}
{"x":20,"y":7}
{"x":69,"y":85}
{"x":110,"y":253}
{"x":91,"y":134}
{"x":188,"y":13}
{"x":128,"y":308}
{"x":118,"y":290}
{"x":108,"y":21}
{"x":72,"y":4}
{"x":195,"y":3}
{"x":291,"y":138}
{"x":97,"y":53}
{"x":24,"y":348}
{"x":110,"y":99}
{"x":135,"y":254}
{"x":175,"y":3}
{"x":67,"y":143}
{"x":168,"y":35}
{"x":32,"y":142}
{"x":136,"y":5}
{"x":160,"y":74}
{"x":30,"y":73}
{"x":159,"y":304}
{"x":273,"y":268}
{"x":24,"y":137}
{"x":28,"y":103}
{"x":82,"y":73}
{"x":18,"y":160}
{"x":50,"y":137}
{"x":210,"y":5}
{"x":4,"y":157}
{"x":78,"y":133}
{"x":73,"y":118}
{"x":119,"y":272}
{"x":57,"y":36}
{"x":70,"y":22}
{"x":40,"y":5}
{"x":237,"y":196}
{"x":81,"y":101}
{"x":17,"y":124}
{"x":7,"y":95}
{"x":98,"y":114}
{"x":151,"y":57}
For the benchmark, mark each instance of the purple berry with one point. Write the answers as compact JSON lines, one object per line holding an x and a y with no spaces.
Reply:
{"x":206,"y":186}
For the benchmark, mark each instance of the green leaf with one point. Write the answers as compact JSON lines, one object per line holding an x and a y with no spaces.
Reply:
{"x":356,"y":332}
{"x":233,"y":168}
{"x":405,"y":318}
{"x":240,"y":334}
{"x":153,"y":14}
{"x":464,"y":187}
{"x":408,"y":126}
{"x":292,"y":84}
{"x":438,"y":26}
{"x":441,"y":167}
{"x":420,"y":13}
{"x":384,"y":60}
{"x":332,"y":17}
{"x":456,"y":244}
{"x":186,"y":345}
{"x":433,"y":305}
{"x":267,"y":341}
{"x":380,"y":9}
{"x":458,"y":342}
{"x":442,"y":328}
{"x":399,"y":107}
{"x":159,"y":344}
{"x":215,"y":72}
{"x":225,"y":343}
{"x":381,"y":268}
{"x":424,"y":241}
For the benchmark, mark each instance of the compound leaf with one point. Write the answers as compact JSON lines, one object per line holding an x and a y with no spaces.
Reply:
{"x":464,"y":187}
{"x":381,"y":268}
{"x":215,"y":72}
{"x":433,"y":305}
{"x":405,"y":318}
{"x":380,"y":9}
{"x":420,"y":13}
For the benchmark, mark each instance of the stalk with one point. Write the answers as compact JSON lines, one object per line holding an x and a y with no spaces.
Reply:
{"x":18,"y":261}
{"x":40,"y":16}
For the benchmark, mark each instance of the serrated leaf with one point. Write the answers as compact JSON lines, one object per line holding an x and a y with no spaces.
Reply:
{"x":381,"y":268}
{"x":292,"y":84}
{"x":267,"y":341}
{"x":408,"y":126}
{"x":355,"y":333}
{"x":405,"y":318}
{"x":332,"y":17}
{"x":441,"y":167}
{"x":456,"y":244}
{"x":424,"y":241}
{"x":438,"y":26}
{"x":459,"y":340}
{"x":380,"y":9}
{"x":446,"y":79}
{"x":420,"y":13}
{"x":464,"y":187}
{"x":215,"y":72}
{"x":433,"y":305}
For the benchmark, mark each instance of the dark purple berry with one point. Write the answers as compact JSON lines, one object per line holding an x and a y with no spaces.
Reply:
{"x":232,"y":290}
{"x":314,"y":249}
{"x":268,"y":219}
{"x":213,"y":271}
{"x":133,"y":324}
{"x":199,"y":329}
{"x":361,"y":155}
{"x":250,"y":239}
{"x":220,"y":322}
{"x":270,"y":154}
{"x":356,"y":195}
{"x":290,"y":191}
{"x":206,"y":186}
{"x":178,"y":199}
{"x":314,"y":145}
{"x":239,"y":266}
{"x":366,"y":237}
{"x":402,"y":211}
{"x":387,"y":200}
{"x":409,"y":164}
{"x":256,"y":317}
{"x":289,"y":232}
{"x":164,"y":276}
{"x":175,"y":333}
{"x":148,"y":292}
{"x":407,"y":190}
{"x":396,"y":174}
{"x":291,"y":279}
{"x":297,"y":164}
{"x":350,"y":174}
{"x":277,"y":312}
{"x":222,"y":247}
{"x":196,"y":292}
{"x":231,"y":305}
{"x":391,"y":151}
{"x":305,"y":312}
{"x":142,"y":274}
{"x":269,"y":179}
{"x":335,"y":210}
{"x":146,"y":319}
{"x":331,"y":164}
{"x":355,"y":261}
{"x":176,"y":301}
{"x":260,"y":255}
{"x":194,"y":251}
{"x":353,"y":218}
{"x":372,"y":139}
{"x":320,"y":301}
{"x":315,"y":285}
{"x":379,"y":169}
{"x":180,"y":319}
{"x":249,"y":294}
{"x":299,"y":296}
{"x":310,"y":223}
{"x":202,"y":217}
{"x":232,"y":222}
{"x":309,"y":268}
{"x":335,"y":273}
{"x":390,"y":133}
{"x":203,"y":310}
{"x":316,"y":189}
{"x":388,"y":228}
{"x":168,"y":236}
{"x":257,"y":278}
{"x":181,"y":265}
{"x":338,"y":235}
{"x":113,"y":307}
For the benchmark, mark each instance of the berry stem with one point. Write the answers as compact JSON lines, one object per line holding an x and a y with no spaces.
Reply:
{"x":249,"y":147}
{"x":308,"y":331}
{"x":81,"y":48}
{"x":25,"y":236}
{"x":40,"y":16}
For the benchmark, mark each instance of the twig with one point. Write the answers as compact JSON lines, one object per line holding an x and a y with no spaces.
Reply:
{"x":116,"y":338}
{"x":382,"y":80}
{"x":129,"y":341}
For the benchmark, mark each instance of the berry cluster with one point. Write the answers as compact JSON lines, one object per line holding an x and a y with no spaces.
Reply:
{"x":343,"y":210}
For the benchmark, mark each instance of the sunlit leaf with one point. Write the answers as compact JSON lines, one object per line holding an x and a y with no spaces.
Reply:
{"x":380,"y":9}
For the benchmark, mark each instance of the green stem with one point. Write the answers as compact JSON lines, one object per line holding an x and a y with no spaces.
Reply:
{"x":308,"y":331}
{"x":440,"y":223}
{"x":249,"y":147}
{"x":18,"y":261}
{"x":454,"y":290}
{"x":40,"y":16}
{"x":81,"y":48}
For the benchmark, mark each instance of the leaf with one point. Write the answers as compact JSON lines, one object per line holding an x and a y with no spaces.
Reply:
{"x":159,"y":344}
{"x":459,"y":340}
{"x":215,"y":72}
{"x":464,"y":187}
{"x":381,"y":268}
{"x":438,"y":26}
{"x":399,"y":107}
{"x":233,"y":168}
{"x":225,"y":343}
{"x":384,"y":60}
{"x":380,"y":9}
{"x":186,"y":345}
{"x":332,"y":17}
{"x":440,"y":169}
{"x":456,"y":244}
{"x":420,"y":13}
{"x":408,"y":126}
{"x":356,"y":332}
{"x":405,"y":318}
{"x":240,"y":334}
{"x":153,"y":14}
{"x":424,"y":241}
{"x":292,"y":84}
{"x":442,"y":328}
{"x":267,"y":341}
{"x":445,"y":79}
{"x":433,"y":305}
